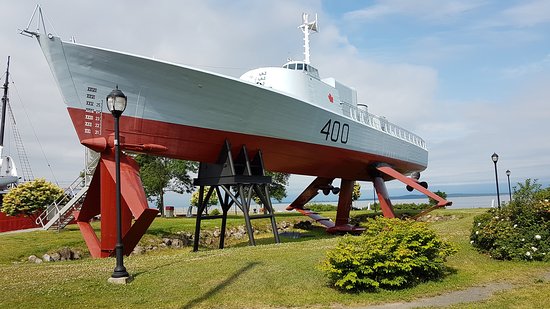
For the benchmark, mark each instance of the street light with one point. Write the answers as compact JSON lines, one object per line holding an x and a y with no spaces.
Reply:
{"x":116,"y":103}
{"x":509,"y":189}
{"x":494,"y":157}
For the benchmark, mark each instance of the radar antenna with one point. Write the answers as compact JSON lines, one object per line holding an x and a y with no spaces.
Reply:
{"x":307,"y":27}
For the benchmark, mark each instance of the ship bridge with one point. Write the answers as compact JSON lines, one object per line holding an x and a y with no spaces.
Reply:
{"x":302,"y":66}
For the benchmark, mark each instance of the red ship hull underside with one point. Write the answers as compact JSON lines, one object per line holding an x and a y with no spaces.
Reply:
{"x":203,"y":145}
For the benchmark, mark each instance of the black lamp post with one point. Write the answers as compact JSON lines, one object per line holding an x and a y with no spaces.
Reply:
{"x":494,"y":157}
{"x":116,"y":103}
{"x":509,"y":189}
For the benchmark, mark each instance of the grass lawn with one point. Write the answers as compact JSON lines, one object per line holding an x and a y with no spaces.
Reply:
{"x":268,"y":275}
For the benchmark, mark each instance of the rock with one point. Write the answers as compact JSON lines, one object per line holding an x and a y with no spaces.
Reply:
{"x":56,"y":257}
{"x":284,"y":225}
{"x":167,"y":241}
{"x":216,"y":233}
{"x":38,"y":261}
{"x":303,"y":225}
{"x":238,"y":235}
{"x":177,"y":243}
{"x":76,"y":255}
{"x":138,"y":250}
{"x":66,"y":254}
{"x":32,"y":258}
{"x":241,"y":230}
{"x":46,"y":258}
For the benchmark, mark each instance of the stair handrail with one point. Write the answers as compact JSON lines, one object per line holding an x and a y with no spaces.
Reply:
{"x":69,"y":192}
{"x":54,"y":207}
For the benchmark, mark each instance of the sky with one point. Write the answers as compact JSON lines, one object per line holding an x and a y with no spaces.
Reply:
{"x":471,"y":77}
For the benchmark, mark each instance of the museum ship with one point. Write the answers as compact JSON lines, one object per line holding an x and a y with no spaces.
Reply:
{"x":302,"y":123}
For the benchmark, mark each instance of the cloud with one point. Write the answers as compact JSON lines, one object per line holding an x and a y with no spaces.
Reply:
{"x":430,"y":10}
{"x":528,"y":13}
{"x":527,"y":69}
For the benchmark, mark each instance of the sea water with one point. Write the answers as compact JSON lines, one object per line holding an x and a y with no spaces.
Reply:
{"x":459,"y":202}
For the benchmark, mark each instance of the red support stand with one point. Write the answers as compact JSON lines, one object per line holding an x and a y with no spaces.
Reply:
{"x":383,"y":197}
{"x":101,"y":197}
{"x":344,"y":207}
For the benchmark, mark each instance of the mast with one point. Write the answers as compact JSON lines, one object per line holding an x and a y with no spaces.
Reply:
{"x":306,"y":27}
{"x":4,"y":107}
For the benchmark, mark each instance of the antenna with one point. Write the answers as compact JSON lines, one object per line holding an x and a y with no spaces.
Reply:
{"x":4,"y":104}
{"x":307,"y":27}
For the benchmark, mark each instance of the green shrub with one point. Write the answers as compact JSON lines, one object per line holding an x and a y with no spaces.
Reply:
{"x":411,"y":206}
{"x":520,"y":230}
{"x":215,"y":212}
{"x":30,"y":197}
{"x":390,"y":254}
{"x":321,"y":207}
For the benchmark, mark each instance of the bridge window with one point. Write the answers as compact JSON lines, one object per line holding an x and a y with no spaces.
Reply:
{"x":292,"y":66}
{"x":299,"y":66}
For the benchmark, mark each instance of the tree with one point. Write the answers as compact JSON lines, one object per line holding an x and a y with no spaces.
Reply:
{"x":277,"y":189}
{"x":30,"y":197}
{"x":213,"y":200}
{"x":356,"y":194}
{"x":441,"y":194}
{"x":159,"y":175}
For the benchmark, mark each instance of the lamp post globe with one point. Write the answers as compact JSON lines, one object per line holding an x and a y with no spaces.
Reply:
{"x":508,"y":173}
{"x":494,"y":157}
{"x":116,"y":103}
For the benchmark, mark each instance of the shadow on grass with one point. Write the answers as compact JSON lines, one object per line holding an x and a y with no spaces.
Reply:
{"x":222,"y":285}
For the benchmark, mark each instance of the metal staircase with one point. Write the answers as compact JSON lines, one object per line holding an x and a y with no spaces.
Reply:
{"x":60,"y":212}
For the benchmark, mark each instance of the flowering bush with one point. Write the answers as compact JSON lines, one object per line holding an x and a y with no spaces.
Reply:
{"x":29,"y":197}
{"x":520,"y":230}
{"x":391,"y":254}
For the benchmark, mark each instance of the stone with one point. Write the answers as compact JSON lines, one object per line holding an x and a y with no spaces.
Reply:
{"x":32,"y":258}
{"x":138,"y":250}
{"x":38,"y":261}
{"x":46,"y":258}
{"x":66,"y":254}
{"x":167,"y":241}
{"x":216,"y":233}
{"x":55,"y":257}
{"x":76,"y":255}
{"x":177,"y":243}
{"x":303,"y":225}
{"x":123,"y":280}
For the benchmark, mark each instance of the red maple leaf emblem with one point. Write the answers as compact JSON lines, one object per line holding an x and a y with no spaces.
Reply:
{"x":330,"y":98}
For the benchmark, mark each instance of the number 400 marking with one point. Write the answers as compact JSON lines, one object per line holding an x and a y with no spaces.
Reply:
{"x":336,"y":131}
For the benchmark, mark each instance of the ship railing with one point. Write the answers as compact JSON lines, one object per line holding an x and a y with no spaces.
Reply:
{"x":381,"y":124}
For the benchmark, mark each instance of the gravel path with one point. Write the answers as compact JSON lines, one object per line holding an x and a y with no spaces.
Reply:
{"x":473,"y":294}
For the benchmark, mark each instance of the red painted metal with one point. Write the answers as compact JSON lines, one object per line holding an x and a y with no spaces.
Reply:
{"x":441,"y":202}
{"x":344,"y":206}
{"x":101,"y":197}
{"x":14,"y":223}
{"x":203,"y":145}
{"x":344,"y":202}
{"x":383,"y":197}
{"x":310,"y":192}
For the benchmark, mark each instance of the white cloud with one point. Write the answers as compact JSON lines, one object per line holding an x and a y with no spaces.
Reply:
{"x":527,"y":69}
{"x":431,"y":10}
{"x":528,"y":13}
{"x":246,"y":34}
